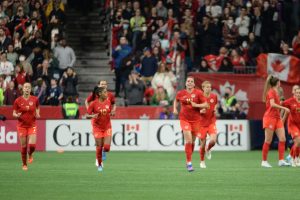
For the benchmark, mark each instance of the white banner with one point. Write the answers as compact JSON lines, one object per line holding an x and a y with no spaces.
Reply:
{"x":141,"y":135}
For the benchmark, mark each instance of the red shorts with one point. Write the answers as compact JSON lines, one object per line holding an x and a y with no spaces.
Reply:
{"x":24,"y":131}
{"x":272,"y":123}
{"x":101,"y":133}
{"x":194,"y":127}
{"x":294,"y":130}
{"x":204,"y":130}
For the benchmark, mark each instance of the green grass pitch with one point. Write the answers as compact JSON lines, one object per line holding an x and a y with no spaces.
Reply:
{"x":146,"y":175}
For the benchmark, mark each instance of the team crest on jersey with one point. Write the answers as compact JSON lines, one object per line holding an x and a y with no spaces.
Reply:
{"x":211,"y":100}
{"x":193,"y":95}
{"x":271,"y":126}
{"x":30,"y":103}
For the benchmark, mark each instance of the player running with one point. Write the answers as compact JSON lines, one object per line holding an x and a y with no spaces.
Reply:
{"x":207,"y":123}
{"x":189,"y":117}
{"x":99,"y":110}
{"x":272,"y":121}
{"x":26,"y":110}
{"x":294,"y":124}
{"x":110,"y":97}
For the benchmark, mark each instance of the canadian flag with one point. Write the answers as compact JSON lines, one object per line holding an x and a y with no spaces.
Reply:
{"x":286,"y":68}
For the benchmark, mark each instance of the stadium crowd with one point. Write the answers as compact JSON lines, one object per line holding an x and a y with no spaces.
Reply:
{"x":33,"y":49}
{"x":156,"y":42}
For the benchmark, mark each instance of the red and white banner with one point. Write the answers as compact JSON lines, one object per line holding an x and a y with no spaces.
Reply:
{"x":286,"y":68}
{"x":9,"y":139}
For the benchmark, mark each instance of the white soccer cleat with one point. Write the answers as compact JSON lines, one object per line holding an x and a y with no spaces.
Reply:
{"x":265,"y":164}
{"x":97,"y":165}
{"x":293,"y":162}
{"x":283,"y":163}
{"x":202,"y":165}
{"x":297,"y":162}
{"x":208,"y":154}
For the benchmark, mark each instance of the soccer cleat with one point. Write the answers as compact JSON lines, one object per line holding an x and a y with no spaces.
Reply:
{"x":30,"y":159}
{"x":297,"y":162}
{"x":100,"y":168}
{"x":202,"y":165}
{"x":265,"y":164}
{"x":103,"y":155}
{"x":24,"y":167}
{"x":283,"y":163}
{"x":208,"y":154}
{"x":293,"y":163}
{"x":190,"y":167}
{"x":288,"y":158}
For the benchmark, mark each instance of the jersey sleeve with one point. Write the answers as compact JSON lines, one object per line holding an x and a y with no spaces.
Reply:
{"x":37,"y":103}
{"x":112,"y":99}
{"x":178,"y":95}
{"x":287,"y":103}
{"x":15,"y":106}
{"x":89,"y":98}
{"x":272,"y":94}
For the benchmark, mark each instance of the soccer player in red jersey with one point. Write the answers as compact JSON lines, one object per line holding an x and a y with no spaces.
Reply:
{"x":207,"y":123}
{"x":272,"y":121}
{"x":294,"y":124}
{"x":110,"y":97}
{"x":189,"y":117}
{"x":26,"y":110}
{"x":94,"y":96}
{"x":99,"y":110}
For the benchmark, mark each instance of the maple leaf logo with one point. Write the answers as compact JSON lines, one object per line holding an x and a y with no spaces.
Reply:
{"x":277,"y":66}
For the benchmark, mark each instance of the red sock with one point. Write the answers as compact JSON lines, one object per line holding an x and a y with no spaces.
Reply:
{"x":99,"y":154}
{"x":202,"y":153}
{"x":106,"y":147}
{"x":292,"y":151}
{"x":210,"y":145}
{"x":24,"y":155}
{"x":193,"y":146}
{"x":281,"y":150}
{"x":31,"y":149}
{"x":265,"y":151}
{"x":188,"y":152}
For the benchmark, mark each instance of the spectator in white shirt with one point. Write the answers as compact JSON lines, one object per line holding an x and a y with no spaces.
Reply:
{"x":65,"y":55}
{"x":243,"y":22}
{"x":6,"y":67}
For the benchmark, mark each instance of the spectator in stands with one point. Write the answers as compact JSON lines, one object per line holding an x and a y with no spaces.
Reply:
{"x":19,"y":20}
{"x":149,"y":92}
{"x":4,"y":40}
{"x":285,"y":49}
{"x":166,"y":79}
{"x":158,"y":53}
{"x":127,"y":65}
{"x":203,"y":67}
{"x":70,"y":109}
{"x":53,"y":31}
{"x":166,"y":113}
{"x":226,"y":65}
{"x":11,"y":94}
{"x":254,"y":49}
{"x":136,"y":25}
{"x":296,"y":44}
{"x":125,"y":31}
{"x":236,"y":59}
{"x":21,"y":76}
{"x":1,"y":98}
{"x":160,"y":97}
{"x":40,"y":91}
{"x":43,"y":72}
{"x":145,"y":39}
{"x":69,"y":83}
{"x":165,"y":44}
{"x":267,"y":27}
{"x":228,"y":104}
{"x":161,"y":9}
{"x":54,"y":94}
{"x":230,"y":33}
{"x":65,"y":56}
{"x":58,"y":12}
{"x":214,"y":9}
{"x":26,"y":66}
{"x":17,"y":42}
{"x":243,"y":23}
{"x":148,"y":65}
{"x":134,"y":89}
{"x":119,"y":53}
{"x":12,"y":56}
{"x":6,"y":67}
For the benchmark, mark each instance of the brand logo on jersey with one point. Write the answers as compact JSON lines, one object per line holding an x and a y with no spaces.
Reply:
{"x":30,"y":103}
{"x":211,"y":100}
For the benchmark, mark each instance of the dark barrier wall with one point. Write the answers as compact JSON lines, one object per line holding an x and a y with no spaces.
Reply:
{"x":257,"y":136}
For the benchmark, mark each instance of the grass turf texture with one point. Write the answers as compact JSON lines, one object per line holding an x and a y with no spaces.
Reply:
{"x":144,"y":175}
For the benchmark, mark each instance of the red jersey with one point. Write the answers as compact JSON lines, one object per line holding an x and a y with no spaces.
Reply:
{"x":103,"y":110}
{"x":272,"y":112}
{"x":27,"y":108}
{"x":110,"y":97}
{"x":187,"y":112}
{"x":294,"y":116}
{"x":209,"y":116}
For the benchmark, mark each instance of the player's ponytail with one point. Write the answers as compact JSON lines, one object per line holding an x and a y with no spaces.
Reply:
{"x":270,"y":82}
